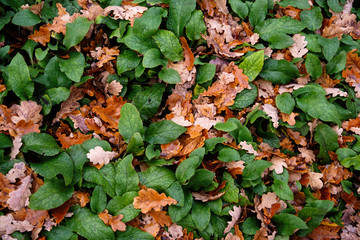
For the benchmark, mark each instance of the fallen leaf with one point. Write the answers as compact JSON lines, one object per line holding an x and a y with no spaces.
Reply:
{"x":296,"y":136}
{"x":9,"y":225}
{"x":248,"y":147}
{"x":272,"y":112}
{"x":150,"y":199}
{"x":315,"y":180}
{"x":235,"y":215}
{"x":278,"y":164}
{"x":19,"y":198}
{"x":113,"y":221}
{"x":205,"y":197}
{"x":17,"y":172}
{"x":298,"y":49}
{"x":189,"y":56}
{"x":83,"y":197}
{"x":160,"y":217}
{"x":41,"y":36}
{"x":99,"y":156}
{"x":114,"y":88}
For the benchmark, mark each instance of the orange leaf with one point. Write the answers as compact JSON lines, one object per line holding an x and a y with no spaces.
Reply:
{"x":150,"y":199}
{"x":41,"y":36}
{"x":2,"y":88}
{"x":83,"y":197}
{"x":60,"y":212}
{"x":161,"y":217}
{"x":189,"y":56}
{"x":113,"y":221}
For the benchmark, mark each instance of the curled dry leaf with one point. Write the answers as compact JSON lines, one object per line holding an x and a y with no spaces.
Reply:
{"x":335,"y":92}
{"x":99,"y":156}
{"x":272,"y":112}
{"x":114,"y":88}
{"x":113,"y":221}
{"x":235,"y":215}
{"x":248,"y":147}
{"x":19,"y":198}
{"x":160,"y":217}
{"x":125,"y":12}
{"x":8,"y":225}
{"x":83,"y":197}
{"x":17,"y":172}
{"x":205,"y":197}
{"x":150,"y":199}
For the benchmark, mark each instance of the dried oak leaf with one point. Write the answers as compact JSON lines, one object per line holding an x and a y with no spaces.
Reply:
{"x":83,"y":197}
{"x":189,"y":56}
{"x":17,"y":172}
{"x":174,"y":231}
{"x":99,"y":156}
{"x":8,"y":225}
{"x":235,"y":215}
{"x":298,"y":49}
{"x":114,"y":87}
{"x":307,"y":154}
{"x":60,"y":212}
{"x":248,"y":147}
{"x":35,"y":9}
{"x":205,"y":197}
{"x":296,"y":136}
{"x":27,"y":110}
{"x":19,"y":198}
{"x":113,"y":221}
{"x":290,"y":119}
{"x":272,"y":112}
{"x":160,"y":217}
{"x":15,"y":149}
{"x":279,"y":164}
{"x":150,"y":199}
{"x":125,"y":12}
{"x":315,"y":180}
{"x":41,"y":36}
{"x":69,"y":104}
{"x":325,"y":233}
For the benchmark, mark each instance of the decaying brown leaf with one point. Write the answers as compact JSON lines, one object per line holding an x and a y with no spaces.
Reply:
{"x":150,"y":199}
{"x":113,"y":221}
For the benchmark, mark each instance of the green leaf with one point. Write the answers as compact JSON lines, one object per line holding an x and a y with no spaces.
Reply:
{"x":153,"y":58}
{"x":58,"y":233}
{"x":327,"y":138}
{"x":258,"y":12}
{"x":312,"y":18}
{"x":130,"y":122}
{"x":135,"y":145}
{"x":50,"y":195}
{"x":245,"y":98}
{"x":89,"y":225}
{"x":76,"y":31}
{"x":254,"y":169}
{"x":301,"y":4}
{"x":58,"y":95}
{"x":104,"y":177}
{"x":74,"y":66}
{"x":169,"y":75}
{"x":25,"y":18}
{"x":186,"y":168}
{"x":41,"y":143}
{"x":126,"y":178}
{"x":124,"y":205}
{"x":250,"y":226}
{"x":19,"y":78}
{"x":285,"y":103}
{"x":148,"y":100}
{"x":283,"y":190}
{"x":195,"y":26}
{"x":126,"y":61}
{"x":200,"y":214}
{"x":348,"y":158}
{"x":5,"y":141}
{"x":337,"y":64}
{"x":163,"y":132}
{"x":177,"y":213}
{"x":176,"y":192}
{"x":279,"y":71}
{"x":226,"y":126}
{"x":231,"y":191}
{"x":253,"y":64}
{"x":138,"y":42}
{"x":311,"y":99}
{"x":149,"y":22}
{"x":179,"y":14}
{"x":287,"y":223}
{"x":228,"y":155}
{"x":210,"y":143}
{"x":329,"y":46}
{"x":98,"y":200}
{"x":201,"y":178}
{"x":52,"y":166}
{"x":53,"y":76}
{"x":286,"y":25}
{"x":335,"y":5}
{"x":240,"y":8}
{"x":78,"y":155}
{"x":133,"y":233}
{"x":205,"y":73}
{"x":169,"y":44}
{"x":158,"y":178}
{"x":5,"y":19}
{"x":313,"y":217}
{"x":280,"y":41}
{"x":313,"y":65}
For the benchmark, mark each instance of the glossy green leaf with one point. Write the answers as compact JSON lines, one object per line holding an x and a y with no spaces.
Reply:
{"x":169,"y":75}
{"x":287,"y":223}
{"x":280,"y":41}
{"x":76,"y":31}
{"x":40,"y":143}
{"x":104,"y":177}
{"x":205,"y":73}
{"x":153,"y":58}
{"x":98,"y":200}
{"x":337,"y":64}
{"x":169,"y":44}
{"x":253,"y":64}
{"x":329,"y":47}
{"x":126,"y":178}
{"x":50,"y":195}
{"x":285,"y":103}
{"x":148,"y":100}
{"x":312,"y":18}
{"x":301,"y":4}
{"x":200,"y":214}
{"x":179,"y":14}
{"x":254,"y":169}
{"x":158,"y":178}
{"x":231,"y":191}
{"x":228,"y":155}
{"x":124,"y":205}
{"x":240,"y":8}
{"x":279,"y":71}
{"x":282,"y":190}
{"x":133,"y":233}
{"x":163,"y":132}
{"x":186,"y":168}
{"x":19,"y":78}
{"x":130,"y":122}
{"x":74,"y":66}
{"x":195,"y":26}
{"x":313,"y":65}
{"x":258,"y":12}
{"x":126,"y":61}
{"x":245,"y":98}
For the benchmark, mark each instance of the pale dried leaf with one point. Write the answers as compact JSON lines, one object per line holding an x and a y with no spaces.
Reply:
{"x":248,"y":147}
{"x":307,"y":154}
{"x":15,"y":149}
{"x":8,"y":225}
{"x":114,"y":88}
{"x":335,"y":92}
{"x":125,"y":12}
{"x":17,"y":172}
{"x":254,"y":38}
{"x":204,"y":197}
{"x":27,"y":110}
{"x":268,"y":51}
{"x":235,"y":215}
{"x":272,"y":112}
{"x":175,"y":231}
{"x":315,"y":180}
{"x":290,"y":87}
{"x":99,"y":156}
{"x":279,"y":164}
{"x":265,"y":88}
{"x":207,"y":123}
{"x":231,"y":236}
{"x":356,"y":130}
{"x":180,"y":120}
{"x":298,"y":49}
{"x":235,"y":164}
{"x":267,"y":200}
{"x":19,"y":198}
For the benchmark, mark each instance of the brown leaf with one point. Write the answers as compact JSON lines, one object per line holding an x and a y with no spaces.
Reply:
{"x":60,"y":212}
{"x":36,"y":9}
{"x":110,"y":113}
{"x":83,"y":197}
{"x":19,"y":198}
{"x":298,"y":49}
{"x":272,"y":112}
{"x":17,"y":172}
{"x":126,"y":12}
{"x":205,"y":197}
{"x":150,"y":199}
{"x":290,"y":119}
{"x":69,"y":104}
{"x":248,"y":147}
{"x":315,"y":180}
{"x":325,"y":233}
{"x":9,"y":225}
{"x":189,"y":56}
{"x":279,"y":164}
{"x":160,"y":217}
{"x":299,"y":140}
{"x":41,"y":36}
{"x":235,"y":215}
{"x":113,"y":221}
{"x":171,"y":149}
